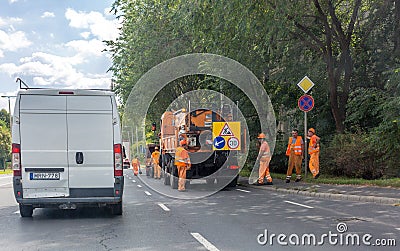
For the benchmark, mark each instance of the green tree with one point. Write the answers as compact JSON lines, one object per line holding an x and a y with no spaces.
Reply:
{"x":5,"y":117}
{"x":5,"y":140}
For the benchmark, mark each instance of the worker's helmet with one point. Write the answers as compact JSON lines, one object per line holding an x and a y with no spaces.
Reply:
{"x":156,"y":148}
{"x":261,"y":136}
{"x":312,"y":130}
{"x":183,"y":142}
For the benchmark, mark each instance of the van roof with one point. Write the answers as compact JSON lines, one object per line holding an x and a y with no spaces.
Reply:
{"x":75,"y":92}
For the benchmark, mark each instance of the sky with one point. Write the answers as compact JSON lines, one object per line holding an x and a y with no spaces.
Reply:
{"x":54,"y":44}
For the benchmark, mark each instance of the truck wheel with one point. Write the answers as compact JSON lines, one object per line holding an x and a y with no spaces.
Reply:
{"x":25,"y":211}
{"x":233,"y":183}
{"x":174,"y":178}
{"x":152,"y":172}
{"x":166,"y":179}
{"x":116,"y":209}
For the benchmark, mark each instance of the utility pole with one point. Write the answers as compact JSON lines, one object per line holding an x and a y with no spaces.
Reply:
{"x":137,"y":142}
{"x":9,"y":107}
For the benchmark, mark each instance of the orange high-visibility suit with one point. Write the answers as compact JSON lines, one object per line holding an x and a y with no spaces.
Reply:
{"x":156,"y":165}
{"x":182,"y":162}
{"x":135,"y":166}
{"x":265,"y":157}
{"x":313,"y":150}
{"x":295,"y":153}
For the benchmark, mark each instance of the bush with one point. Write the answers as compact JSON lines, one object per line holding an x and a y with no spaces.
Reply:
{"x":352,"y":155}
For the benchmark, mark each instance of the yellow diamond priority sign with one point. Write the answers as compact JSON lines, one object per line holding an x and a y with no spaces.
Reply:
{"x":305,"y":84}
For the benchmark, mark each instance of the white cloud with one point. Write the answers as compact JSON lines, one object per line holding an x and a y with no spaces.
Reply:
{"x":85,"y":34}
{"x":13,"y":41}
{"x":12,"y":1}
{"x":48,"y":14}
{"x":56,"y":71}
{"x":9,"y":21}
{"x":97,"y":24}
{"x":84,"y":47}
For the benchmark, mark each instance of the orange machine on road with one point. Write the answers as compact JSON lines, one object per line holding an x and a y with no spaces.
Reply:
{"x":196,"y":128}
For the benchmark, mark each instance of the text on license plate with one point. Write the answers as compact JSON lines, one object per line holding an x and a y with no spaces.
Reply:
{"x":44,"y":176}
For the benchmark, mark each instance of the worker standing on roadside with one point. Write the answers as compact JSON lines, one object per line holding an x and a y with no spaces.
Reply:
{"x":182,"y":162}
{"x":155,"y":158}
{"x":264,"y":157}
{"x":295,"y":151}
{"x":313,"y":150}
{"x":135,"y":165}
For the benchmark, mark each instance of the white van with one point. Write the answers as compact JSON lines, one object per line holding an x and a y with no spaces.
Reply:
{"x":66,"y":150}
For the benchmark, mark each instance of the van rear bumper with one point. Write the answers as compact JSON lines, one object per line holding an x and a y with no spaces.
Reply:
{"x":55,"y":202}
{"x":78,"y":197}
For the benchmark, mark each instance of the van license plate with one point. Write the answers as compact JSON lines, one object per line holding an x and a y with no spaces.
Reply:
{"x":44,"y":176}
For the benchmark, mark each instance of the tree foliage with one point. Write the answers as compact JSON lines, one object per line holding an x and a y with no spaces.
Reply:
{"x":5,"y":117}
{"x":5,"y":140}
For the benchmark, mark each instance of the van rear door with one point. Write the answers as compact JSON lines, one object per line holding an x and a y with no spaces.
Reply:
{"x":90,"y":142}
{"x":43,"y":134}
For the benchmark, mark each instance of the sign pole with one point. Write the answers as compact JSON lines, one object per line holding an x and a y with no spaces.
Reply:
{"x":305,"y":103}
{"x":305,"y":144}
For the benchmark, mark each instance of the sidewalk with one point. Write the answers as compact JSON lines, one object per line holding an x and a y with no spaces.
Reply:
{"x":381,"y":195}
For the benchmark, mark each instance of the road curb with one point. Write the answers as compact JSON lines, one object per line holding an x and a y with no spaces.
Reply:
{"x":350,"y":197}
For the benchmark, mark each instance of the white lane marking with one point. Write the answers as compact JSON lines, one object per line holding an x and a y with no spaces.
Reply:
{"x":16,"y":212}
{"x":164,"y":207}
{"x":130,"y":177}
{"x":6,"y":184}
{"x":398,"y":228}
{"x":133,"y":181}
{"x":294,"y":203}
{"x":139,"y":186}
{"x":204,"y":242}
{"x":241,"y":190}
{"x":147,"y":193}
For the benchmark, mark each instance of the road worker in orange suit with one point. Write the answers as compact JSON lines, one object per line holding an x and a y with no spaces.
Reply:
{"x":182,"y":162}
{"x":295,"y":151}
{"x":155,"y":158}
{"x":313,"y":150}
{"x":135,"y":165}
{"x":264,"y":157}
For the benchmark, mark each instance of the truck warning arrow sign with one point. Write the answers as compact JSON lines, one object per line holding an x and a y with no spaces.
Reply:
{"x":219,"y":142}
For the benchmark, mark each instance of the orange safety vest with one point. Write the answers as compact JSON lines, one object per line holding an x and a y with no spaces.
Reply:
{"x":313,"y":142}
{"x":266,"y":155}
{"x":135,"y":162}
{"x":181,"y":157}
{"x":296,"y":146}
{"x":156,"y":155}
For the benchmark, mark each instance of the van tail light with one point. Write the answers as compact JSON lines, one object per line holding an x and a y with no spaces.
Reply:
{"x":16,"y":159}
{"x":118,"y":171}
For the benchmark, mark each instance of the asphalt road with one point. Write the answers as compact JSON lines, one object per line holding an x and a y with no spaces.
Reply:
{"x":234,"y":219}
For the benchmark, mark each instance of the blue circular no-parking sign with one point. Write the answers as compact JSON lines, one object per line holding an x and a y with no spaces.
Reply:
{"x":306,"y":103}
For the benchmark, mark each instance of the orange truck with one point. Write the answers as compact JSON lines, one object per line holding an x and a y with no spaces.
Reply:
{"x":196,"y":127}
